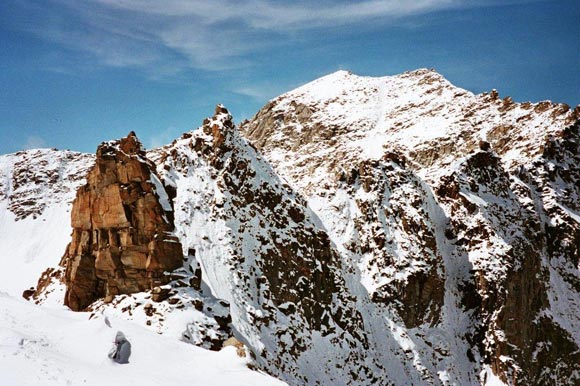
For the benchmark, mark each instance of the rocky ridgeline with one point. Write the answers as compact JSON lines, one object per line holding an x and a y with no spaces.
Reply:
{"x":122,"y":220}
{"x":263,"y":251}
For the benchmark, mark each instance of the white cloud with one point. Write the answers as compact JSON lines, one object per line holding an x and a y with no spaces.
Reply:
{"x":273,"y":15}
{"x":34,"y":142}
{"x":172,"y":36}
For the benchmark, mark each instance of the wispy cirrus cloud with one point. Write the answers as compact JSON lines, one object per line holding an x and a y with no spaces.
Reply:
{"x":173,"y":36}
{"x":281,"y":16}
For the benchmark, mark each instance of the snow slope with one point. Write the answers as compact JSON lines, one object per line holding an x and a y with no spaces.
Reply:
{"x":37,"y":188}
{"x":56,"y":347}
{"x":31,"y":245}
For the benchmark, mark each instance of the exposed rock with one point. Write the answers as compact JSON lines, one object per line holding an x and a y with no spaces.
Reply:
{"x":484,"y":145}
{"x":41,"y":178}
{"x":122,"y":239}
{"x":510,"y":292}
{"x":404,"y":257}
{"x":159,"y":294}
{"x":27,"y":294}
{"x":240,"y":347}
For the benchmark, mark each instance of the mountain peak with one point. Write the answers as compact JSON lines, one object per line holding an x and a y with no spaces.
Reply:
{"x":351,"y":79}
{"x":131,"y":144}
{"x":221,"y":109}
{"x":417,"y":113}
{"x":422,"y":72}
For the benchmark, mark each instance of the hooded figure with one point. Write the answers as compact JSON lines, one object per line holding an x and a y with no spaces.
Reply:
{"x":121,"y":351}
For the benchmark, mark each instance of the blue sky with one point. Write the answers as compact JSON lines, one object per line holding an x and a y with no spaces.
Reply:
{"x":74,"y":73}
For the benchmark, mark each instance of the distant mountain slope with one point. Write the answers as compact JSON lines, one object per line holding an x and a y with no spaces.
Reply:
{"x":37,"y":188}
{"x":328,"y":125}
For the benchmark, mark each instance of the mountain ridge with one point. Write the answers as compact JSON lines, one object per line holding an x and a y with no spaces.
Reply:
{"x":419,"y":213}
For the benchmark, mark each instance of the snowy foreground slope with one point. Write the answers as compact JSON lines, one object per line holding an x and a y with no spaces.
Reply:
{"x":372,"y":231}
{"x":44,"y":346}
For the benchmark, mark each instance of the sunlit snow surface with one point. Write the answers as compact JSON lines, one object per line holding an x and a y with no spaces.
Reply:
{"x":44,"y":346}
{"x":30,"y":245}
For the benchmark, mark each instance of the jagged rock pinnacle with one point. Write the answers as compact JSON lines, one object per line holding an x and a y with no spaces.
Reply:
{"x":221,"y":109}
{"x":121,"y":219}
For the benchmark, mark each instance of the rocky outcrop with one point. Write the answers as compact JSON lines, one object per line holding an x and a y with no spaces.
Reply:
{"x":122,"y":220}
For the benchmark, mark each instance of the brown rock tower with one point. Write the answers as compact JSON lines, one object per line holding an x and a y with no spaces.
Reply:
{"x":122,"y":221}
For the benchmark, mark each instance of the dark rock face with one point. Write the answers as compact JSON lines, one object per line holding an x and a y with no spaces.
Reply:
{"x":517,"y":326}
{"x":122,"y":224}
{"x":411,"y":268}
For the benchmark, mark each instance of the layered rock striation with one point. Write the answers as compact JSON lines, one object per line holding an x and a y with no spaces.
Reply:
{"x":122,"y":220}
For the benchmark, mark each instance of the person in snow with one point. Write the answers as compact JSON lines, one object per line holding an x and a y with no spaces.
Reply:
{"x":121,"y":351}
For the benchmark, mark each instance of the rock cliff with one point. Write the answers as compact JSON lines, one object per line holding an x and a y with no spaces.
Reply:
{"x":122,"y":220}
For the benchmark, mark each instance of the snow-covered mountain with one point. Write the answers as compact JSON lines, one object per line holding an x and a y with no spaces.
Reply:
{"x":457,"y":212}
{"x":357,"y":230}
{"x":56,"y":347}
